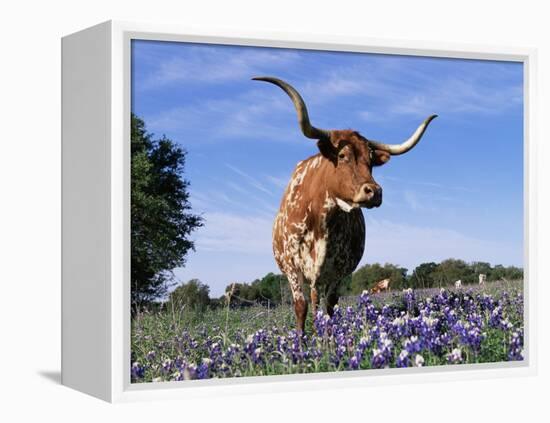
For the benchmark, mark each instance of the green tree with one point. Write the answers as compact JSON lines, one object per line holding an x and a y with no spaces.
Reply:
{"x":481,"y":267}
{"x":366,"y":276}
{"x":345,"y":286}
{"x":501,"y":272}
{"x":514,"y":273}
{"x":161,"y":221}
{"x":451,"y":270}
{"x":193,"y":295}
{"x":422,"y":276}
{"x":273,"y":287}
{"x":242,"y":294}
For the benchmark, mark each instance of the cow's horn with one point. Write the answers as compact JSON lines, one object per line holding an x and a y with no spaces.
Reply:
{"x":303,"y":118}
{"x":396,"y":149}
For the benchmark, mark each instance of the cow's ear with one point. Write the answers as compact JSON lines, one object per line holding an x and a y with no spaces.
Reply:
{"x":379,"y":157}
{"x":327,"y":149}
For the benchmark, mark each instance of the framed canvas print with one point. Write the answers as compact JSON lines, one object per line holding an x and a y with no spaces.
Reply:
{"x":246,"y":211}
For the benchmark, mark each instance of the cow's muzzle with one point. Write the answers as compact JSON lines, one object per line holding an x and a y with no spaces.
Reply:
{"x":369,"y":196}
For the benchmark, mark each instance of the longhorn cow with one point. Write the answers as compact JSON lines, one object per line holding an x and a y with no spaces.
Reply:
{"x":482,"y":278}
{"x":383,"y":285}
{"x":319,"y":231}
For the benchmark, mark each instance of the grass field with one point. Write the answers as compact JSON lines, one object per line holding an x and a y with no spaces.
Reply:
{"x":397,"y":329}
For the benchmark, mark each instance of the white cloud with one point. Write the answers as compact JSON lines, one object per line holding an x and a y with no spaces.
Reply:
{"x":458,"y":96}
{"x":414,"y":202}
{"x":235,"y":233}
{"x":252,"y":181}
{"x":428,"y":184}
{"x":216,"y":64}
{"x":335,"y":97}
{"x":241,"y":200}
{"x":252,"y":115}
{"x":278,"y":181}
{"x":395,"y":89}
{"x":326,"y":87}
{"x":376,"y":90}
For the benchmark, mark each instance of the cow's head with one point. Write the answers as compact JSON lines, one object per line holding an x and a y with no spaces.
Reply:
{"x":349,"y":180}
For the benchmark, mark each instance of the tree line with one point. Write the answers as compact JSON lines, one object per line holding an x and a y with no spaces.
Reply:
{"x":273,"y":289}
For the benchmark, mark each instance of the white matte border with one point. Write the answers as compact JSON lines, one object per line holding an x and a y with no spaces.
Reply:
{"x":121,"y":389}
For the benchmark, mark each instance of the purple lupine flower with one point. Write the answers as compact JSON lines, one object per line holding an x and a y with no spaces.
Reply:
{"x":455,"y":356}
{"x":403,"y":359}
{"x":418,"y":360}
{"x":378,"y":360}
{"x":167,"y":365}
{"x":515,"y":351}
{"x":320,"y":323}
{"x":400,"y":326}
{"x":469,"y":334}
{"x":138,"y":371}
{"x":409,"y":298}
{"x":203,"y":368}
{"x":450,"y":315}
{"x":364,"y":299}
{"x":337,"y":315}
{"x":359,"y":354}
{"x":496,"y":316}
{"x":412,"y":345}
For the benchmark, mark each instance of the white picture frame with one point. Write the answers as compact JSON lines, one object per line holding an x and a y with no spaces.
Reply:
{"x":96,"y":199}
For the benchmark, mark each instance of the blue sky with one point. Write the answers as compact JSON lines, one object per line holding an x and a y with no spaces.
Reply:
{"x":459,"y":193}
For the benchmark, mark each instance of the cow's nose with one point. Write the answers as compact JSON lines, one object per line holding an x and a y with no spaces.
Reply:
{"x":370,"y":193}
{"x":368,"y":190}
{"x":372,"y":190}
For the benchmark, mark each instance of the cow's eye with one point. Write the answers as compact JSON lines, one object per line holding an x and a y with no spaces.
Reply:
{"x":341,"y":156}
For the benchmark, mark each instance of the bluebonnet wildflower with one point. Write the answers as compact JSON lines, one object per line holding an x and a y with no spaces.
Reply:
{"x":408,"y":330}
{"x":138,"y":371}
{"x":455,"y":356}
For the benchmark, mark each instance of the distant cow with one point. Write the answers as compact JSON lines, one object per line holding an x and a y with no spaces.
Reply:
{"x":383,"y":285}
{"x":319,"y":232}
{"x":458,"y":284}
{"x":482,"y":279}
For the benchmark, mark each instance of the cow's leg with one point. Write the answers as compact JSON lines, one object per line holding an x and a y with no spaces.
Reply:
{"x":332,"y":299}
{"x":314,"y":300}
{"x":299,"y":300}
{"x":300,"y":309}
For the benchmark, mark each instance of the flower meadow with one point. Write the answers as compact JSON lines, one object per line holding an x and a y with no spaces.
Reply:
{"x":405,"y":329}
